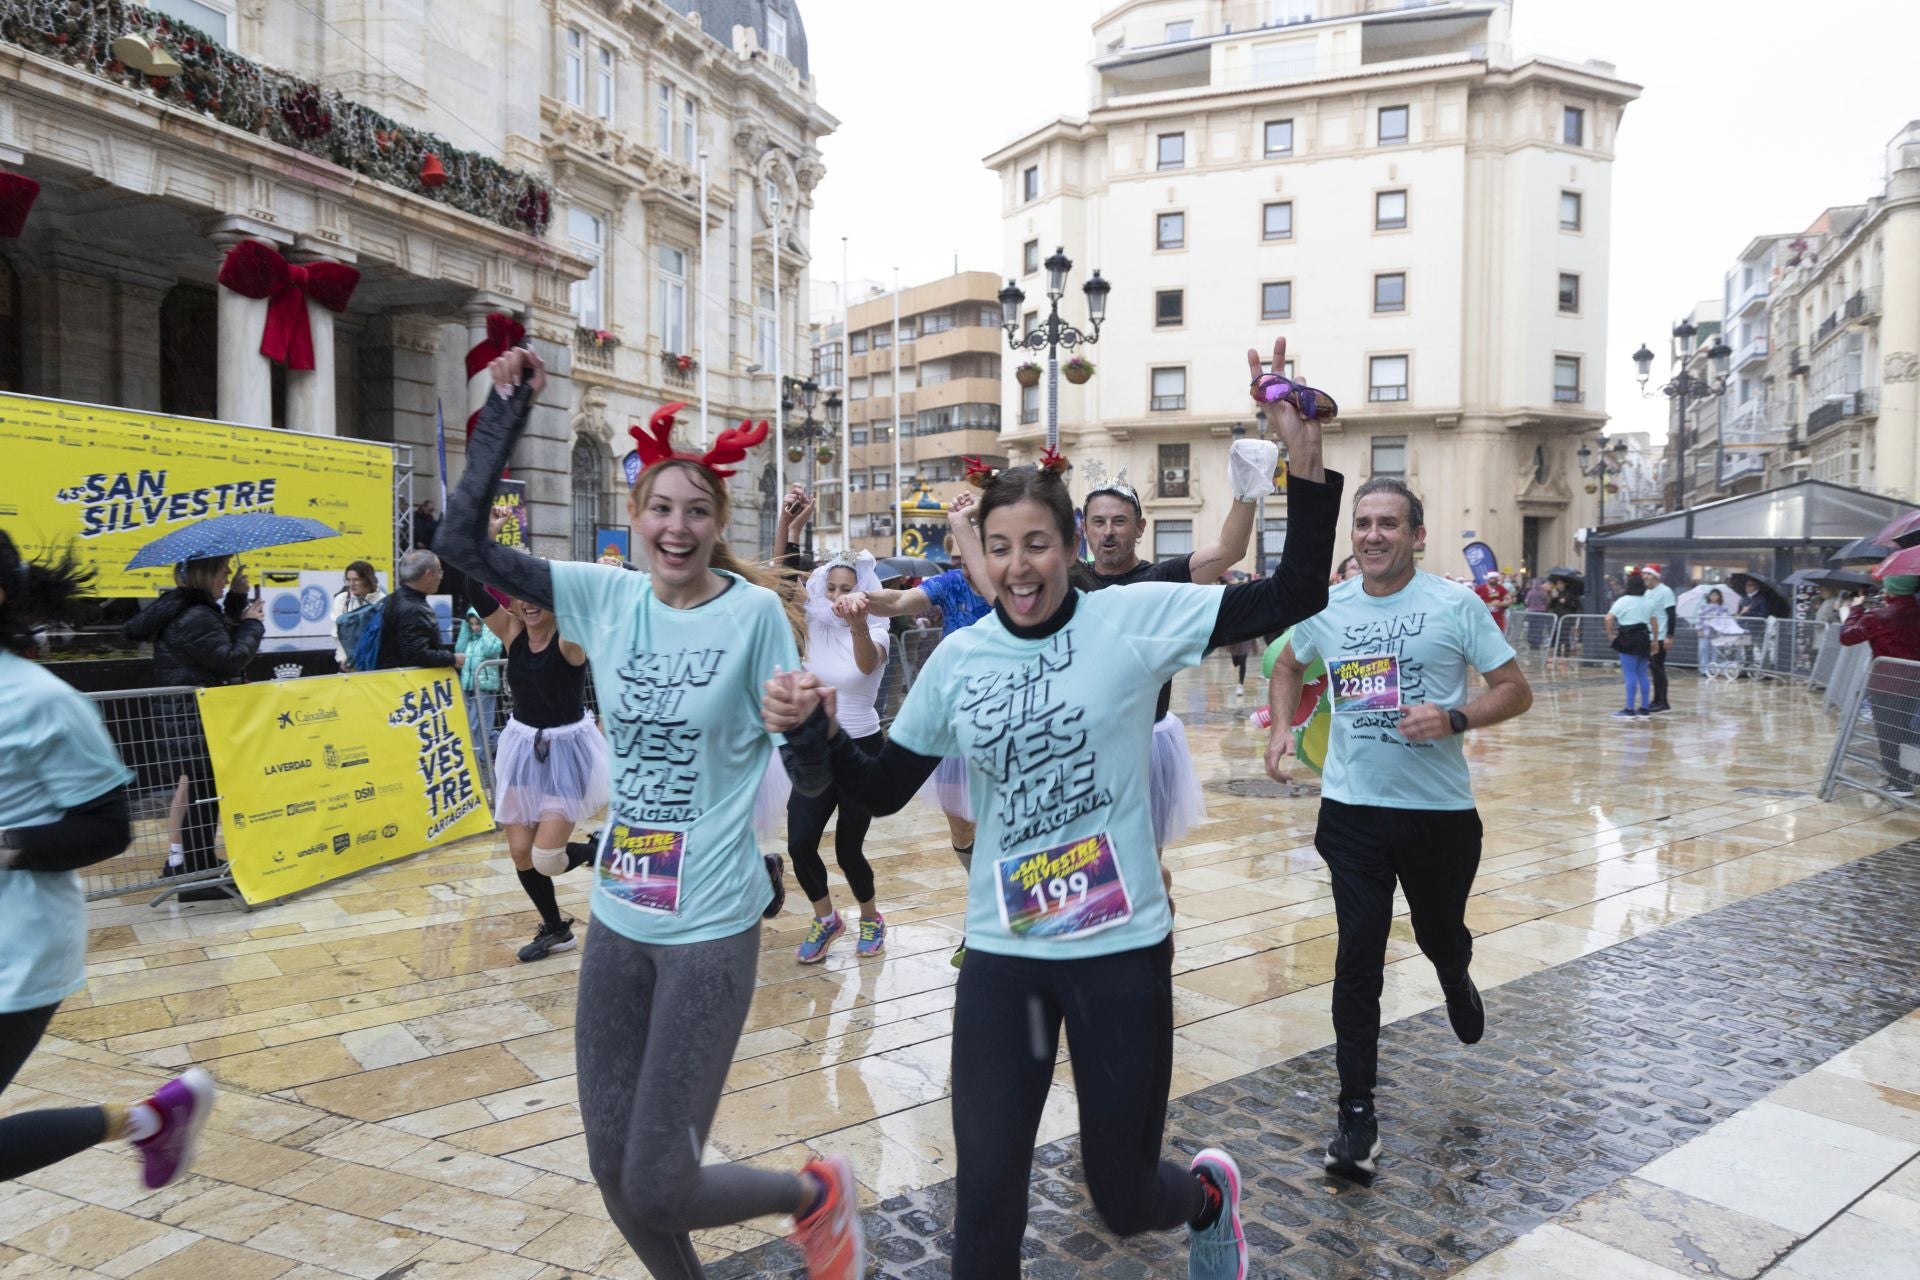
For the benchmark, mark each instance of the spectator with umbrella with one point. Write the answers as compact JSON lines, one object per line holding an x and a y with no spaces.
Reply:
{"x":1892,"y":630}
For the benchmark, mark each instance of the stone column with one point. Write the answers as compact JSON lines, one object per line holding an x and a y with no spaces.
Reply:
{"x":246,"y":376}
{"x":1897,"y":433}
{"x":311,"y":405}
{"x":75,"y":311}
{"x":136,"y":382}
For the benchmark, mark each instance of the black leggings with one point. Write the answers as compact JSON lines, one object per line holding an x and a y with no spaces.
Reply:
{"x":1434,"y":854}
{"x":1118,"y":1011}
{"x":1239,"y":667}
{"x":807,"y":819}
{"x":32,"y":1140}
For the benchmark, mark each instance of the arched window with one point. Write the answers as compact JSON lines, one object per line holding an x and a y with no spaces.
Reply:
{"x":589,"y":494}
{"x":769,"y":509}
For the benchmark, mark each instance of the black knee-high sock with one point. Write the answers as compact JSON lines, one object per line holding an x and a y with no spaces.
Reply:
{"x":540,"y":889}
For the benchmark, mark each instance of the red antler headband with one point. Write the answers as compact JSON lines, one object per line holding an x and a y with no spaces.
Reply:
{"x":1055,"y":461}
{"x":979,"y":474}
{"x":656,"y":442}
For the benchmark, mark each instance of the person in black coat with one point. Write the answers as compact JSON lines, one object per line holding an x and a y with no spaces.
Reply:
{"x":410,"y":631}
{"x":196,"y":642}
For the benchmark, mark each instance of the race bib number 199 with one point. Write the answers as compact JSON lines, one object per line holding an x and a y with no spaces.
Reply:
{"x":642,"y":868}
{"x":1067,"y":891}
{"x":1370,"y":683}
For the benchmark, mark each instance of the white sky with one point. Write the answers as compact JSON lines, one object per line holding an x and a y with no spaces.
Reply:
{"x":1755,"y":116}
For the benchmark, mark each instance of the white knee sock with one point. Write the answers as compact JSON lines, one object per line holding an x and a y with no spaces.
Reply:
{"x":550,"y":862}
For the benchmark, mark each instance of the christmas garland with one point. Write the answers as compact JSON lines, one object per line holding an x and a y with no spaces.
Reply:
{"x":237,"y":91}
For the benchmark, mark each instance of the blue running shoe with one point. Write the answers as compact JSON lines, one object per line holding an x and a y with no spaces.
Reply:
{"x":819,"y":937}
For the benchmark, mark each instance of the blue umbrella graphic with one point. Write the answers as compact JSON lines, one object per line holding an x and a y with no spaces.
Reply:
{"x":229,"y":535}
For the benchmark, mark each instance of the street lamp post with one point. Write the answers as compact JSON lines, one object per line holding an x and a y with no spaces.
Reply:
{"x":811,"y":439}
{"x":1602,"y":468}
{"x":1683,"y":388}
{"x":1051,"y":334}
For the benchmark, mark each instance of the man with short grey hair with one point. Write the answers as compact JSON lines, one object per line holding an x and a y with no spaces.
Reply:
{"x":409,"y":631}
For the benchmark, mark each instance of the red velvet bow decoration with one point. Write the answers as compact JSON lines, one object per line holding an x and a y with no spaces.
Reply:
{"x":656,"y":442}
{"x":503,"y":334}
{"x":256,"y":270}
{"x":17,"y":194}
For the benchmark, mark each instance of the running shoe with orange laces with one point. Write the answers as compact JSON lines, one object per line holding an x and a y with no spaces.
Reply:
{"x":830,"y":1236}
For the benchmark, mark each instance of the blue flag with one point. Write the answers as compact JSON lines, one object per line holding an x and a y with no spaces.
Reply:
{"x":440,"y":444}
{"x":1480,"y":559}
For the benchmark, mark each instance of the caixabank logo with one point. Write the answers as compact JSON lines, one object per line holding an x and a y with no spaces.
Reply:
{"x":305,"y":715}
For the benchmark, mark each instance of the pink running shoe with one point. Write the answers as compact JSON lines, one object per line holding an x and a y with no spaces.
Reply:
{"x":183,"y":1104}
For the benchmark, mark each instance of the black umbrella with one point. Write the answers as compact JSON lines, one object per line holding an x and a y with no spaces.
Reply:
{"x":907,"y":567}
{"x":1860,"y":551}
{"x":1739,"y":581}
{"x":1570,"y":575}
{"x":1827,"y":578}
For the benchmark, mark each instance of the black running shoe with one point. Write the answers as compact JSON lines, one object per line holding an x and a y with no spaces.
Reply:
{"x":1352,"y":1154}
{"x":1465,"y":1011}
{"x":1659,"y":707}
{"x":777,"y":873}
{"x":550,"y":939}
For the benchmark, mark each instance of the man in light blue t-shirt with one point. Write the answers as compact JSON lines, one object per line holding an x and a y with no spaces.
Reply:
{"x":1396,"y":797}
{"x":1661,"y":597}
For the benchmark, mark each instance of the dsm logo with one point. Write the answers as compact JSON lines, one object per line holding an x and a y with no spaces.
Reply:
{"x":363,"y":793}
{"x":391,"y":830}
{"x":342,"y":842}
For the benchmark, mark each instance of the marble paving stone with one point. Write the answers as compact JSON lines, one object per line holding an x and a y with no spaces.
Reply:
{"x":1854,"y":1247}
{"x":89,"y":1236}
{"x":1679,"y":1232}
{"x":418,"y":1086}
{"x":217,"y":1260}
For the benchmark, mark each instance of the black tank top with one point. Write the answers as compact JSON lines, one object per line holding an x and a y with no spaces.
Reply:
{"x":546,"y":687}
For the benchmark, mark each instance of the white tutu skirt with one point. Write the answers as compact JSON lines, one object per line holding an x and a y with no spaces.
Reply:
{"x":1173,"y":788}
{"x":571,"y":783}
{"x":946,"y":790}
{"x":770,"y":801}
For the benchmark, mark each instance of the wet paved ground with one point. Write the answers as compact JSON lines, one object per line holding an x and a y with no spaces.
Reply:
{"x":1589,"y":1071}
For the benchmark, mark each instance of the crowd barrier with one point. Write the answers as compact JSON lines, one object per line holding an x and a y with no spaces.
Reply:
{"x":1726,"y":649}
{"x":1877,"y":748}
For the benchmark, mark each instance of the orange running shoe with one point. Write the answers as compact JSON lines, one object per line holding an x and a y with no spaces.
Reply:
{"x":830,"y":1236}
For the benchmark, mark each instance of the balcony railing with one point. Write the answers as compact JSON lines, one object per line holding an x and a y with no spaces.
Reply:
{"x":1568,"y":395}
{"x":1165,"y":404}
{"x":1379,"y":394}
{"x":1864,"y":403}
{"x":1754,"y":351}
{"x":1864,"y":305}
{"x":1029,"y":416}
{"x":1754,"y":293}
{"x":1735,"y":465}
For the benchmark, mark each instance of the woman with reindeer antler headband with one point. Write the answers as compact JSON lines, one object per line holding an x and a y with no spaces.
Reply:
{"x":678,"y":655}
{"x":1051,"y":702}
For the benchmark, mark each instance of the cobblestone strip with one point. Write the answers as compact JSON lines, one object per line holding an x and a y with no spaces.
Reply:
{"x":1589,"y":1070}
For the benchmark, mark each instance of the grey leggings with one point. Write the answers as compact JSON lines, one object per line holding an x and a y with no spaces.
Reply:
{"x":655,"y":1035}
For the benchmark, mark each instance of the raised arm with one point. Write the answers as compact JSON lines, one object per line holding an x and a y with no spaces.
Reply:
{"x":885,"y":603}
{"x":462,"y":537}
{"x":966,"y":541}
{"x":818,"y":756}
{"x":1298,"y":588}
{"x":1250,"y":467}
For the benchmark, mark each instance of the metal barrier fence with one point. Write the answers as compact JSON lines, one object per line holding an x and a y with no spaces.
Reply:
{"x":1877,"y":748}
{"x":172,"y":797}
{"x":1725,"y":648}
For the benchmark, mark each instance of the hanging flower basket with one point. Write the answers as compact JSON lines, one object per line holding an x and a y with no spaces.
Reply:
{"x":678,"y":362}
{"x":796,"y":453}
{"x":598,"y":339}
{"x":1078,"y":370}
{"x":1028,"y":374}
{"x":824,"y":453}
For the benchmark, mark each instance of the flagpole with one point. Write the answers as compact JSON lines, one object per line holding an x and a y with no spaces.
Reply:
{"x":779,"y":371}
{"x":846,"y":426}
{"x":699,"y":342}
{"x":898,"y":501}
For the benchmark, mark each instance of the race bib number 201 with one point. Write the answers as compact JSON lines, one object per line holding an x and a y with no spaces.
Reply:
{"x":1368,"y":683}
{"x":642,"y":868}
{"x":1068,"y":891}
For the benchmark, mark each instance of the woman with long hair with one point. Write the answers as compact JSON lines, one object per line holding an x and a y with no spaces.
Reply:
{"x":849,"y":653}
{"x":678,"y":655}
{"x":361,"y":590}
{"x":1051,"y":702}
{"x":63,"y":806}
{"x":1634,"y":627}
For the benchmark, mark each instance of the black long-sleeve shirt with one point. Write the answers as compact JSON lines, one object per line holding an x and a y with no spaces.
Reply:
{"x":883,"y":783}
{"x":462,"y":539}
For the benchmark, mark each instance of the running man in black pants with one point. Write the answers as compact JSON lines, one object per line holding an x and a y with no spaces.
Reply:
{"x":1396,"y":797}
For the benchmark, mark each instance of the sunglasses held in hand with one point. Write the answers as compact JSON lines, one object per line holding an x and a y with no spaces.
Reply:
{"x":1271,"y":388}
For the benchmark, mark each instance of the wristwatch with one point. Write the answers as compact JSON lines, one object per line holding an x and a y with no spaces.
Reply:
{"x":1457,"y":719}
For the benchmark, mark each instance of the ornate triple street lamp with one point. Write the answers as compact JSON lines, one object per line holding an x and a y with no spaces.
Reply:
{"x":810,"y":440}
{"x":1682,"y":389}
{"x":1050,"y":334}
{"x":1603,"y":468}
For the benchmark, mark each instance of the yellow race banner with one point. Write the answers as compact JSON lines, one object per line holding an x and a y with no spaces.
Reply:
{"x":324,"y":777}
{"x":108,"y":481}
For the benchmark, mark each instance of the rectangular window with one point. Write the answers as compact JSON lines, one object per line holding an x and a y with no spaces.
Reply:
{"x":766,"y":330}
{"x":1170,"y":231}
{"x":776,"y":34}
{"x":1172,"y":538}
{"x":1573,"y":127}
{"x":881,"y":435}
{"x":1285,"y":59}
{"x":574,"y":69}
{"x":663,"y":119}
{"x":882,"y":478}
{"x":689,"y":129}
{"x":670,"y":299}
{"x":1390,"y":292}
{"x":1173,"y":151}
{"x":856,"y":435}
{"x":1569,"y":293}
{"x":1387,"y":378}
{"x":1030,"y":257}
{"x":857,"y":344}
{"x":1276,"y":300}
{"x":1276,"y":220}
{"x":1173,"y":470}
{"x":1030,"y":182}
{"x":856,"y":389}
{"x":1569,"y":210}
{"x":213,"y":21}
{"x":1273,"y":543}
{"x":1389,"y":458}
{"x":1389,"y":210}
{"x":1566,"y":380}
{"x":882,"y":339}
{"x":1279,"y":138}
{"x":603,"y":82}
{"x":1169,"y":389}
{"x":1169,"y":307}
{"x":1178,"y":31}
{"x":587,"y":236}
{"x":1029,"y":405}
{"x":1393,"y":125}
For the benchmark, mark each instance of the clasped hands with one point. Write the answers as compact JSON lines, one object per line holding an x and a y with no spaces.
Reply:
{"x":790,"y":697}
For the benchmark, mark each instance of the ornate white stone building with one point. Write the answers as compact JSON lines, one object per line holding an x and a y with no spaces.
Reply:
{"x":539,"y":157}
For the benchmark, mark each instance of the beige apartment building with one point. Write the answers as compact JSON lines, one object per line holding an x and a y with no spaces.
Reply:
{"x":940,"y":387}
{"x":1423,"y":215}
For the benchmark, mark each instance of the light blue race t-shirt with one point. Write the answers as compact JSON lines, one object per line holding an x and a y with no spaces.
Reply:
{"x":1629,"y":610}
{"x":679,"y":690}
{"x":54,"y":755}
{"x":1055,"y":733}
{"x":1415,"y":645}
